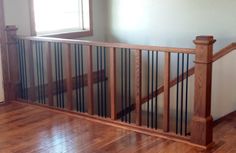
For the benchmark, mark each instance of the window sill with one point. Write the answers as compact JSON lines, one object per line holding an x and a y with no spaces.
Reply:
{"x":71,"y":35}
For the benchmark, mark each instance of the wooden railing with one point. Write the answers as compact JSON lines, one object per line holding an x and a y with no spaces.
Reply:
{"x":102,"y":80}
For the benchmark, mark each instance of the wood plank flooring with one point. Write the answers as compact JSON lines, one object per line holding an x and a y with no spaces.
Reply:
{"x":30,"y":129}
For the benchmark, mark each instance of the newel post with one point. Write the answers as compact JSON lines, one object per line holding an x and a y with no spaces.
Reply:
{"x":13,"y":71}
{"x":202,"y":122}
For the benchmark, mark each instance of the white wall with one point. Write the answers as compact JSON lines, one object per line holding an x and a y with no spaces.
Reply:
{"x":17,"y":13}
{"x":176,"y":23}
{"x":100,"y":17}
{"x":171,"y":23}
{"x":223,"y":89}
{"x":223,"y":85}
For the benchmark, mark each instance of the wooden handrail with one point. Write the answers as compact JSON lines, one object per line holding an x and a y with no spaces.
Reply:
{"x":110,"y":45}
{"x":224,"y":51}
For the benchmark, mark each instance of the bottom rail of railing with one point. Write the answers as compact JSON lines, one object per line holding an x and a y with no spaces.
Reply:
{"x":117,"y":123}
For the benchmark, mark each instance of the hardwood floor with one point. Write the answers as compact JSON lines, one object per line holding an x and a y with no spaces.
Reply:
{"x":30,"y":129}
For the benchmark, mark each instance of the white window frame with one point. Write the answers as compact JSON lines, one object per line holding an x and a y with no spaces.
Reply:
{"x":63,"y":34}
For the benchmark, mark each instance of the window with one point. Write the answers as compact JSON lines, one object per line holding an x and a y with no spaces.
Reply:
{"x":52,"y":17}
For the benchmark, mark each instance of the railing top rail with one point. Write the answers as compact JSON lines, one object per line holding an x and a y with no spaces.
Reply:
{"x":111,"y":45}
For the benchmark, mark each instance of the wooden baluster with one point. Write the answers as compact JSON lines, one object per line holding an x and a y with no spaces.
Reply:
{"x":90,"y":79}
{"x":113,"y":83}
{"x":49,"y":75}
{"x":69,"y":87}
{"x":13,"y":56}
{"x":166,"y":111}
{"x":138,"y":86}
{"x":29,"y":52}
{"x":202,"y":122}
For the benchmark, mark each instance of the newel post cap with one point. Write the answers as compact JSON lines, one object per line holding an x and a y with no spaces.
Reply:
{"x":11,"y":32}
{"x":204,"y":40}
{"x":11,"y":28}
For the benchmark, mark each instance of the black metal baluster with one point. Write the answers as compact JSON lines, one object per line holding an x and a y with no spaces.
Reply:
{"x":105,"y":83}
{"x":62,"y":73}
{"x":44,"y":92}
{"x":182,"y":97}
{"x":122,"y":87}
{"x":21,"y":77}
{"x":100,"y":78}
{"x":59,"y":75}
{"x":148,"y":91}
{"x":76,"y":79}
{"x":98,"y":85}
{"x":156,"y":99}
{"x":80,"y":78}
{"x":25,"y":71}
{"x":22,"y":69}
{"x":62,"y":82}
{"x":186,"y":98}
{"x":129,"y":89}
{"x":42,"y":72}
{"x":59,"y":68}
{"x":20,"y":66}
{"x":177,"y":97}
{"x":152,"y":86}
{"x":125,"y":85}
{"x":56,"y":72}
{"x":38,"y":71}
{"x":82,"y":68}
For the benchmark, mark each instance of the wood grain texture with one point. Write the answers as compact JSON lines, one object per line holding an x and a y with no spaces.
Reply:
{"x":117,"y":123}
{"x":202,"y":121}
{"x":90,"y":79}
{"x":110,"y":45}
{"x":51,"y":131}
{"x":113,"y":82}
{"x":224,"y":51}
{"x":166,"y":111}
{"x":138,"y":87}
